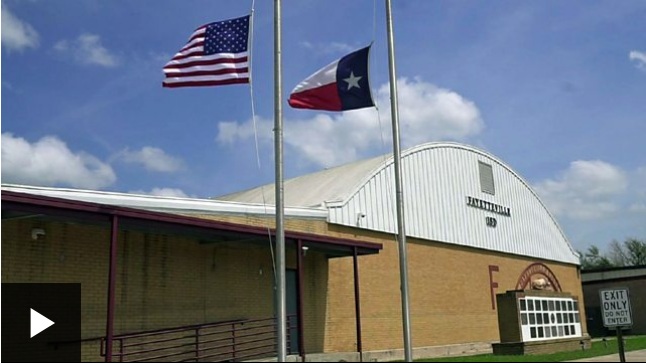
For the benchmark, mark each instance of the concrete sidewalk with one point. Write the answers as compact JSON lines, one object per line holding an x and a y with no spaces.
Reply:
{"x":632,"y":356}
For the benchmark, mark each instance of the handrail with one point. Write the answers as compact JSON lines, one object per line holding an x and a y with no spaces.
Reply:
{"x":179,"y":328}
{"x":230,"y":340}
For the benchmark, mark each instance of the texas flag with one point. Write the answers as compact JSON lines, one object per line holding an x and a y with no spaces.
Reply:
{"x":340,"y":86}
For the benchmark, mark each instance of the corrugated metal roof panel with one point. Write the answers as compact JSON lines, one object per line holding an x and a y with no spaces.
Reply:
{"x":438,"y":180}
{"x":312,"y":190}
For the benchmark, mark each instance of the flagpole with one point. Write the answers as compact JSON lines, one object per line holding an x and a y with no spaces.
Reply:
{"x":281,"y":310}
{"x":401,"y":234}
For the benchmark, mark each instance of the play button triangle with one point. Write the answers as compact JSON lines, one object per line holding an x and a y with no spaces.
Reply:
{"x":38,"y":323}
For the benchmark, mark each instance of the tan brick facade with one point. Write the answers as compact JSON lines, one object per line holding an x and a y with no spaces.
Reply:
{"x":450,"y":295}
{"x":165,"y":281}
{"x":450,"y":290}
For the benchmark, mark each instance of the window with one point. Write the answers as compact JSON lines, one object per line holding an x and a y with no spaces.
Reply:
{"x":549,"y":318}
{"x":486,"y":178}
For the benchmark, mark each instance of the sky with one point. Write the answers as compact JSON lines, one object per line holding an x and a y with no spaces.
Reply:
{"x":555,"y":89}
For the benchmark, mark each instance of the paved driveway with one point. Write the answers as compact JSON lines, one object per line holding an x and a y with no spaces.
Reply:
{"x":632,"y":356}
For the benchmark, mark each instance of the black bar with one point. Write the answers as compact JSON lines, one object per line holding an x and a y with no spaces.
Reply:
{"x":357,"y":303}
{"x":112,"y":275}
{"x":299,"y":298}
{"x":620,"y":342}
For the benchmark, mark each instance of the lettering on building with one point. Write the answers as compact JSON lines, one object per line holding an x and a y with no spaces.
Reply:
{"x":488,"y":206}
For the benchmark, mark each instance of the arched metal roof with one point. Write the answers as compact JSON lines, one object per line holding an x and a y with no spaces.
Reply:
{"x":443,"y":201}
{"x":313,"y":190}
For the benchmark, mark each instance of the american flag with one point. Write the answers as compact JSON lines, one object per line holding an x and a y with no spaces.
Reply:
{"x":216,"y":54}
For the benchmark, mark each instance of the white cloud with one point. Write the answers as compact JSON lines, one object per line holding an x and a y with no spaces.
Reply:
{"x":152,"y":158}
{"x":638,"y":182}
{"x":426,"y":113}
{"x":231,"y":131}
{"x":49,"y":162}
{"x":87,"y":49}
{"x":163,"y":192}
{"x":596,"y":202}
{"x":640,"y":177}
{"x":639,"y":58}
{"x":17,"y":34}
{"x":588,"y":189}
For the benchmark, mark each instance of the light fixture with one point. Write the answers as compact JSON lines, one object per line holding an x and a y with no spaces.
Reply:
{"x":360,"y":216}
{"x":305,"y":248}
{"x":37,"y":234}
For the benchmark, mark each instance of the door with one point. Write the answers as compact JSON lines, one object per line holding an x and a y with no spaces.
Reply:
{"x":291,"y":292}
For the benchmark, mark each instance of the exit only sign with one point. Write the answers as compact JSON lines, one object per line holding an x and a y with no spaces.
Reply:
{"x":615,"y":307}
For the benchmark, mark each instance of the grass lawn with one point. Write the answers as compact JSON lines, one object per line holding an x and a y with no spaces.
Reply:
{"x":598,"y":348}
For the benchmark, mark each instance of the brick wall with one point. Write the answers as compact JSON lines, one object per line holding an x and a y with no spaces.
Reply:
{"x":162,"y":281}
{"x":168,"y":281}
{"x":542,"y":347}
{"x":450,"y":295}
{"x":449,"y":285}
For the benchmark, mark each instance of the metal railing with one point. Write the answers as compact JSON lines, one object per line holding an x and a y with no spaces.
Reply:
{"x":228,"y":341}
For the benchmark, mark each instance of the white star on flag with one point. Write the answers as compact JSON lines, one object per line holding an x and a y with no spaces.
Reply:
{"x":352,"y":81}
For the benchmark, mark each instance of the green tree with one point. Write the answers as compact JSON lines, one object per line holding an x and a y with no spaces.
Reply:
{"x":593,"y":259}
{"x":630,"y":253}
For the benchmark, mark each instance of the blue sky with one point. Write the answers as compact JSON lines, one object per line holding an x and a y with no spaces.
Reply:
{"x":556,"y":89}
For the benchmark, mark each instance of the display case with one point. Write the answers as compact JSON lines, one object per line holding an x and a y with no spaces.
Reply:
{"x":537,"y":322}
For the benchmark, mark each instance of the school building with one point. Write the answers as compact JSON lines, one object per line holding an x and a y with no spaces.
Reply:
{"x":193,"y":279}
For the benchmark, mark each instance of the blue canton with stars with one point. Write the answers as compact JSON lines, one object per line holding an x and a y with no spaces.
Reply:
{"x":228,"y":36}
